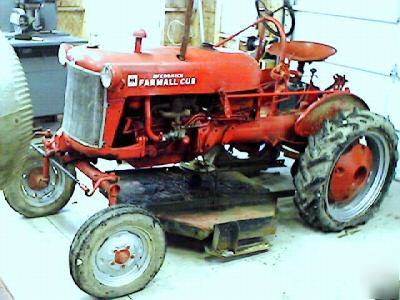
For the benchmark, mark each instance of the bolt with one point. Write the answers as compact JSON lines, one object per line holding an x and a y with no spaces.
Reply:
{"x":123,"y":266}
{"x":132,"y":256}
{"x":113,"y":263}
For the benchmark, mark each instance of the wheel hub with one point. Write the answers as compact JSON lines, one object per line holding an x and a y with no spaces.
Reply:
{"x":35,"y":179}
{"x":350,"y":173}
{"x":121,"y":258}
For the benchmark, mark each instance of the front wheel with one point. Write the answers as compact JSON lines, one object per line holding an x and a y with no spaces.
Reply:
{"x":29,"y":195}
{"x":117,"y":251}
{"x":346,"y":170}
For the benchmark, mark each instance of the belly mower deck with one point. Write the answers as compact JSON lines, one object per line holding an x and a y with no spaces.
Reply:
{"x":231,"y":212}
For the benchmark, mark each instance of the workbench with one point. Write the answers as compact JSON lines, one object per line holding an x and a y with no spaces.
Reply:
{"x":46,"y":77}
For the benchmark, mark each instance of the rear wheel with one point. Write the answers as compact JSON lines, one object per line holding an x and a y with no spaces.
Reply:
{"x":15,"y":114}
{"x":116,"y":252}
{"x":346,"y":170}
{"x":29,"y":195}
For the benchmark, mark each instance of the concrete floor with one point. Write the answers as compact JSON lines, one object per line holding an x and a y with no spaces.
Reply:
{"x":302,"y":263}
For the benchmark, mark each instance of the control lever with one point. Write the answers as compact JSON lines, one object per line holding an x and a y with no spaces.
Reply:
{"x":313,"y":71}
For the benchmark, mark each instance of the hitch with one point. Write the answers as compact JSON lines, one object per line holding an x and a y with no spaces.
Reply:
{"x":105,"y":181}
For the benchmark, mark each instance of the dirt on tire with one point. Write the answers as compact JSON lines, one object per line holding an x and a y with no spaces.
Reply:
{"x":313,"y":175}
{"x":15,"y":113}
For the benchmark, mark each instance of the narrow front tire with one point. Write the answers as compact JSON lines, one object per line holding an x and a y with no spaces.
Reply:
{"x":117,"y":252}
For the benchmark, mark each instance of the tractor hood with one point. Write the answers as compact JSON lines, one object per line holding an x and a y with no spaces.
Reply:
{"x":160,"y":72}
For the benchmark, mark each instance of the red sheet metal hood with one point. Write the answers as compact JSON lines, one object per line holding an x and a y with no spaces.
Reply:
{"x":159,"y":71}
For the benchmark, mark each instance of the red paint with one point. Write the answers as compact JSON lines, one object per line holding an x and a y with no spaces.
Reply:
{"x":303,"y":51}
{"x":243,"y":104}
{"x":351,"y":173}
{"x":148,"y":123}
{"x":212,"y":69}
{"x":105,"y":181}
{"x":312,"y":119}
{"x":35,"y":180}
{"x":139,"y":35}
{"x":122,"y":256}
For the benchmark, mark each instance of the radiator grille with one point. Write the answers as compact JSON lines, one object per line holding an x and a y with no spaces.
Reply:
{"x":85,"y":105}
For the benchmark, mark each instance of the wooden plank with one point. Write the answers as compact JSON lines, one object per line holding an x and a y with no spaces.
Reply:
{"x":175,"y":15}
{"x":174,"y":9}
{"x":71,"y":9}
{"x":69,"y":2}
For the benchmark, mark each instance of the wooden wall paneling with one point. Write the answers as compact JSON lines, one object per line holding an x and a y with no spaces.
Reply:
{"x":71,"y":17}
{"x":175,"y":13}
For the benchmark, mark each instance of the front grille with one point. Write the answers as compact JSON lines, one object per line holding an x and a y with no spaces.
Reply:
{"x":85,"y":105}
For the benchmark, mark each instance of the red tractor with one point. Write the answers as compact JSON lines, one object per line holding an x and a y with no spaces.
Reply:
{"x":171,"y":105}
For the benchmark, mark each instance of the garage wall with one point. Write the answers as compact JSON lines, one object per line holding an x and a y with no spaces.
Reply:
{"x":115,"y":21}
{"x":237,"y":14}
{"x":367,"y":37}
{"x":366,"y":34}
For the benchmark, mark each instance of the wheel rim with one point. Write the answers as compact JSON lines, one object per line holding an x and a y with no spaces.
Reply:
{"x":38,"y":193}
{"x":368,"y":161}
{"x":122,"y":257}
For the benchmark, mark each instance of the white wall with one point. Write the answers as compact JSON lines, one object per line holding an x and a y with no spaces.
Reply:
{"x":367,"y":36}
{"x":115,"y":21}
{"x":368,"y":49}
{"x":236,"y":15}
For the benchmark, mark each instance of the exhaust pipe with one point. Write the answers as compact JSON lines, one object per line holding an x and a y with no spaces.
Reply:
{"x":185,"y":38}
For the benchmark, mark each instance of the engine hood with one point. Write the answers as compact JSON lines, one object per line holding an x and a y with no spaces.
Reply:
{"x":159,"y":71}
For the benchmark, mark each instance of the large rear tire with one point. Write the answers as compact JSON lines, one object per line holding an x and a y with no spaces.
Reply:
{"x":15,"y":113}
{"x":346,"y":170}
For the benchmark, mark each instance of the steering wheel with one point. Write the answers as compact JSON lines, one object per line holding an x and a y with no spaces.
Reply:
{"x":262,"y":11}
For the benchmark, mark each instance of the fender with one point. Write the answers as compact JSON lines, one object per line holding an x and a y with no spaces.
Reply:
{"x":311,"y":120}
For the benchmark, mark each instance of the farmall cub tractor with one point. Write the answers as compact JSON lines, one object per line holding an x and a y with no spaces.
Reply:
{"x":171,"y":105}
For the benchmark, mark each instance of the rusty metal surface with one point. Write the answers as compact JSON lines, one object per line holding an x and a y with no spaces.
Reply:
{"x":250,"y":249}
{"x":205,"y":220}
{"x":185,"y":38}
{"x":328,"y":107}
{"x":171,"y":189}
{"x":230,"y":212}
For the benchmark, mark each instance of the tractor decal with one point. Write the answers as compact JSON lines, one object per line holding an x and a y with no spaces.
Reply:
{"x":161,"y":80}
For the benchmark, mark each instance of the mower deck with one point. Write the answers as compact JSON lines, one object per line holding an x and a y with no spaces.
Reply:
{"x":232,"y":212}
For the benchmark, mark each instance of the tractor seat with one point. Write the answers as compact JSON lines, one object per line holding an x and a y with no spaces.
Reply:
{"x":303,"y":51}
